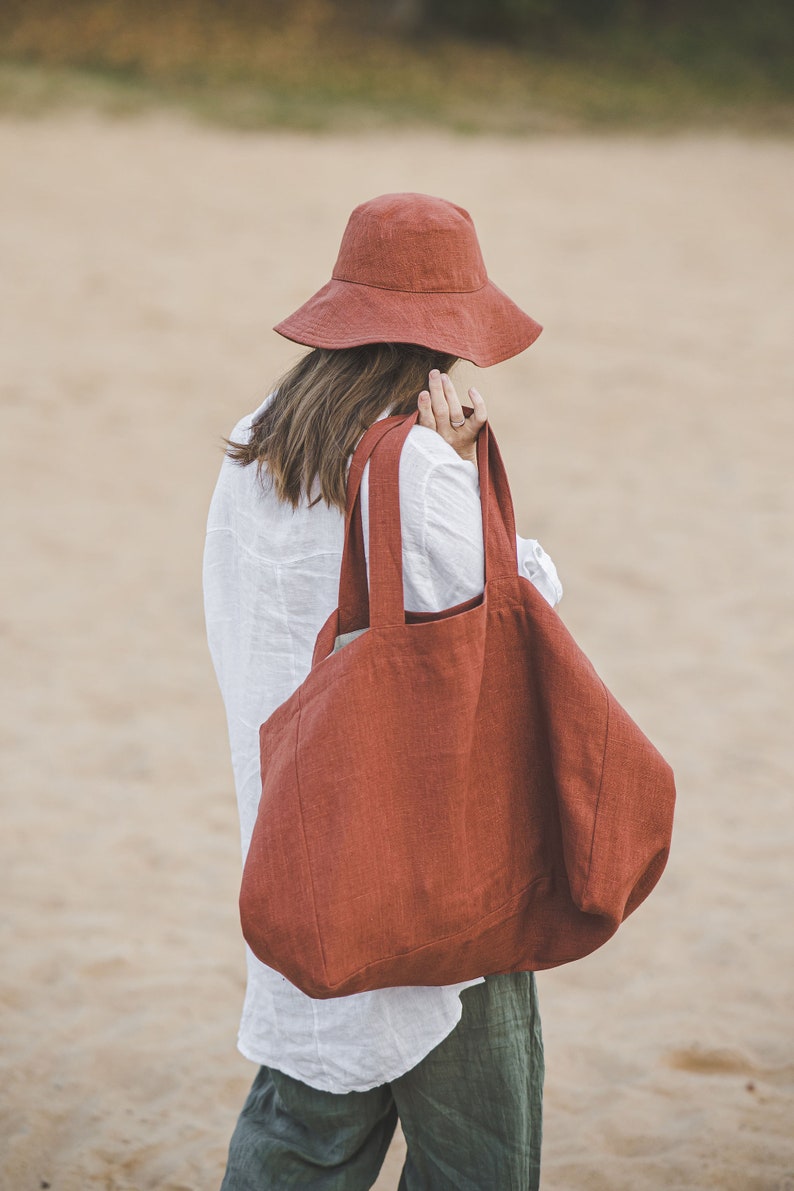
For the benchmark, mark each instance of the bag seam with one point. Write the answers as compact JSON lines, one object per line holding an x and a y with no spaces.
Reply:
{"x":305,"y":841}
{"x":445,"y":938}
{"x":586,"y":888}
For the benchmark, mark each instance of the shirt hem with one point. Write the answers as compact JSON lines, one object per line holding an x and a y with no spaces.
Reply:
{"x":341,"y":1086}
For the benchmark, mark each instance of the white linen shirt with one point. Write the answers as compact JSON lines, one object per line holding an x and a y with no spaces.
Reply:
{"x":271,"y":577}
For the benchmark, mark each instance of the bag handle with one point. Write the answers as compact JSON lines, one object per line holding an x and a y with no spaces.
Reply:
{"x":353,"y":601}
{"x":384,"y":603}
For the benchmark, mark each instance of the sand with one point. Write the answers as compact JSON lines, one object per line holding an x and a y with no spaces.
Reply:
{"x":649,"y":441}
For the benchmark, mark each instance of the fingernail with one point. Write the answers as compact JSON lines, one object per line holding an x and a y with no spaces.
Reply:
{"x":444,"y":376}
{"x":434,"y":372}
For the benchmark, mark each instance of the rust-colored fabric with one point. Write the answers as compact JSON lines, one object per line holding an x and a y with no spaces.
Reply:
{"x":410,"y":270}
{"x":448,"y":795}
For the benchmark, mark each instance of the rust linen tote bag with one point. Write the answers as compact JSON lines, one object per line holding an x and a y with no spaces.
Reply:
{"x":448,"y":795}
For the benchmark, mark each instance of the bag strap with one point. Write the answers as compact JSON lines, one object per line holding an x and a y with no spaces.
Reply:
{"x":384,"y":603}
{"x":353,"y":588}
{"x":499,"y":520}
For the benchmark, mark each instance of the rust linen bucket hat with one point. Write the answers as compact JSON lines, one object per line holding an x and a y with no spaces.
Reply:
{"x":410,"y":270}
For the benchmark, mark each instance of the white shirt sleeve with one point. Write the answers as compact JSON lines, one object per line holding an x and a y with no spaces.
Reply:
{"x":534,"y":564}
{"x":441,"y":521}
{"x":450,"y":537}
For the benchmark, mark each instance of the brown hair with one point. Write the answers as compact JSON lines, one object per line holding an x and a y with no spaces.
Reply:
{"x":323,"y":405}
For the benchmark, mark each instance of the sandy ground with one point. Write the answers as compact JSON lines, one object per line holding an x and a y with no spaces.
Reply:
{"x":649,"y":441}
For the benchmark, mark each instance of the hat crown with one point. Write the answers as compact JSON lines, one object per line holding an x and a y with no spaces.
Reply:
{"x":413,"y":243}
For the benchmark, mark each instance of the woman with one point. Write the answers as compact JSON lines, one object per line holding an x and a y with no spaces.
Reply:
{"x":462,"y":1065}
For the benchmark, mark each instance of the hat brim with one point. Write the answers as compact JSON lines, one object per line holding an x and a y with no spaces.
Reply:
{"x":483,"y":325}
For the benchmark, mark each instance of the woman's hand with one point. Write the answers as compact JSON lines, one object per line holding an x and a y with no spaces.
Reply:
{"x":440,"y":410}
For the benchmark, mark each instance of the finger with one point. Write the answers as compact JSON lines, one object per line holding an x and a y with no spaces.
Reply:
{"x":438,"y":401}
{"x":456,"y":417}
{"x":479,"y":415}
{"x":425,"y":411}
{"x":475,"y":420}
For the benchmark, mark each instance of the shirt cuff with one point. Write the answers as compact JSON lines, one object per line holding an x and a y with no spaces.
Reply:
{"x":534,"y":564}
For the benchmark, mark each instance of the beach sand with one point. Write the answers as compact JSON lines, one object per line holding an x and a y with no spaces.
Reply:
{"x":648,"y":437}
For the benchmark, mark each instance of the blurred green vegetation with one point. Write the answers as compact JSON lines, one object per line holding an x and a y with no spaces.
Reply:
{"x":474,"y":65}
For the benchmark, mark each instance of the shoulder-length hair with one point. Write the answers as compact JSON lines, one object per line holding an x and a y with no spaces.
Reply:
{"x":321,"y":407}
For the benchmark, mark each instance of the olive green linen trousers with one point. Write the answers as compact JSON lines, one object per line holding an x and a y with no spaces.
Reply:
{"x":471,"y":1112}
